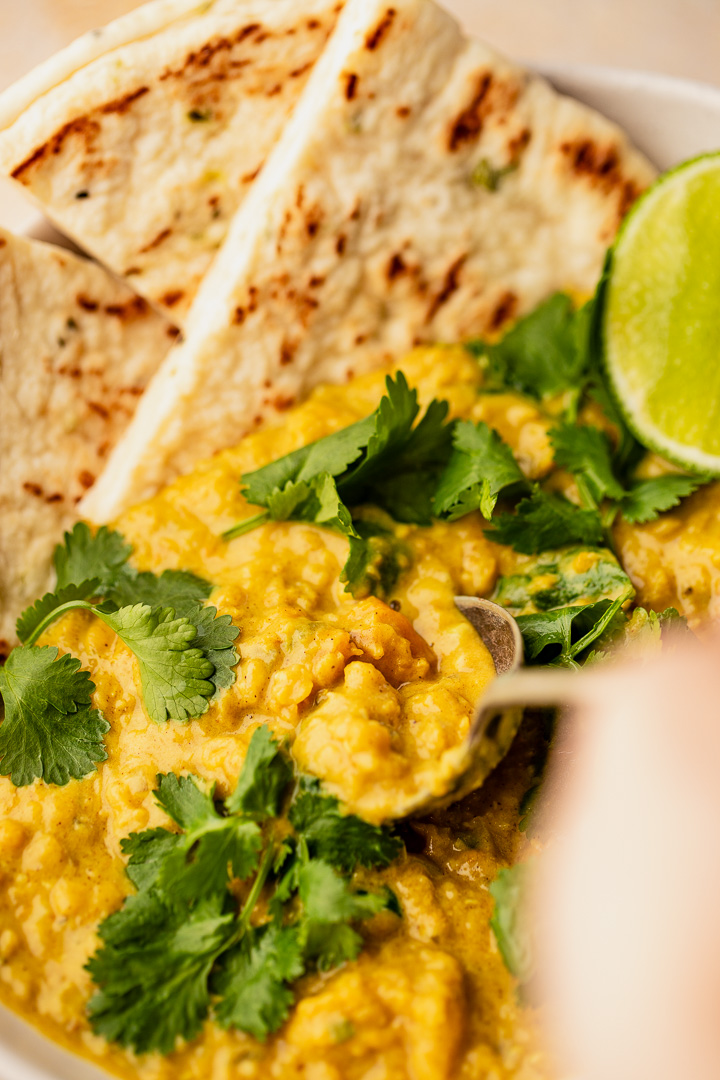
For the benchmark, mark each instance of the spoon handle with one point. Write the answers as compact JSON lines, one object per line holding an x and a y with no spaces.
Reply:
{"x":525,"y":688}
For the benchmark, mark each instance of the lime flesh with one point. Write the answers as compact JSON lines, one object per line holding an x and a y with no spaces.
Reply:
{"x":662,"y":316}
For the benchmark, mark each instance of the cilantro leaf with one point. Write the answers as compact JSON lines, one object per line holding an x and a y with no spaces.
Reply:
{"x":392,"y":430}
{"x":406,"y":486}
{"x":344,"y":841}
{"x":480,"y":468}
{"x":642,"y":627}
{"x":198,"y":864}
{"x":332,"y":454}
{"x":328,"y":945}
{"x":153,"y":971}
{"x":586,"y":452}
{"x":324,"y":506}
{"x":178,"y":589}
{"x":544,"y":354}
{"x":407,"y":496}
{"x":86,"y":555}
{"x":559,"y":578}
{"x":545,"y":521}
{"x":215,"y":636}
{"x":175,"y":677}
{"x":648,"y":498}
{"x":33,"y":616}
{"x":202,"y":864}
{"x":509,"y":922}
{"x":185,"y":802}
{"x":559,"y":637}
{"x":49,"y":731}
{"x":371,"y":461}
{"x":182,"y":663}
{"x":264,"y":779}
{"x":252,"y":981}
{"x":329,"y":905}
{"x":326,"y":897}
{"x":147,"y":853}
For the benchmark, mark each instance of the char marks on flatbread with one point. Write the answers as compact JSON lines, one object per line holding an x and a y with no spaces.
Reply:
{"x":425,"y":189}
{"x":143,"y":153}
{"x":77,"y":349}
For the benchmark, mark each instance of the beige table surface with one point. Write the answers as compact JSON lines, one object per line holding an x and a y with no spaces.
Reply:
{"x":677,"y":37}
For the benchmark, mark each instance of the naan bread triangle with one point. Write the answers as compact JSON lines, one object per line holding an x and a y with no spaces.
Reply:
{"x":425,"y":189}
{"x":141,"y":141}
{"x":77,"y":349}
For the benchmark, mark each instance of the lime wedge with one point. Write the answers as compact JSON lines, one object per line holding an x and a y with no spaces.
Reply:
{"x":661,"y":319}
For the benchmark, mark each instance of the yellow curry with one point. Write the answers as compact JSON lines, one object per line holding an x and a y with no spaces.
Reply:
{"x":370,"y":695}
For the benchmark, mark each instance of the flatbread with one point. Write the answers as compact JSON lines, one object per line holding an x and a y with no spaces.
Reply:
{"x":141,"y":141}
{"x":424,"y":190}
{"x":77,"y":349}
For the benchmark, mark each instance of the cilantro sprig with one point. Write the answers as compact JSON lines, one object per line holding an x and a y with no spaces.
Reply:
{"x":563,"y":636}
{"x":546,"y":353}
{"x":183,"y":947}
{"x":588,"y":454}
{"x":103,"y":557}
{"x":184,"y":650}
{"x":411,"y":469}
{"x":387,"y":459}
{"x":554,"y":355}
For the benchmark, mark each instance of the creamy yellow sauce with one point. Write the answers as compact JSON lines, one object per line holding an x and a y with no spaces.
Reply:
{"x":371,"y":699}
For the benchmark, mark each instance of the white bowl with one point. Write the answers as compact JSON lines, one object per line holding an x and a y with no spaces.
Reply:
{"x":670,"y":120}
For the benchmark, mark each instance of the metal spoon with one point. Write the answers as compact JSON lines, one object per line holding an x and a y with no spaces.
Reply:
{"x":498,"y":630}
{"x":500,"y":711}
{"x":501,"y":635}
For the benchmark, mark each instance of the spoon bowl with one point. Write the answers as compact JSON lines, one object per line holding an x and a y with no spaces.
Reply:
{"x":492,"y":729}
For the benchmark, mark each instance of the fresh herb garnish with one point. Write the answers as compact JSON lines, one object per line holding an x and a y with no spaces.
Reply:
{"x":480,"y":468}
{"x":559,"y":638}
{"x":646,"y":499}
{"x":586,"y":452}
{"x":185,"y":654}
{"x":343,"y":840}
{"x":545,"y":521}
{"x":386,"y":459}
{"x":510,"y":922}
{"x":176,"y":675}
{"x":441,"y":469}
{"x":648,"y":629}
{"x":560,"y":578}
{"x":85,"y":556}
{"x":357,"y":460}
{"x":544,"y":354}
{"x":411,"y":471}
{"x":183,"y":946}
{"x":50,"y":731}
{"x":103,"y":557}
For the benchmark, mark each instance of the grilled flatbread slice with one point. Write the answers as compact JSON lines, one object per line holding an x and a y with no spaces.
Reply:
{"x":424,"y":190}
{"x":77,"y":349}
{"x":141,"y":141}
